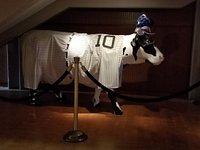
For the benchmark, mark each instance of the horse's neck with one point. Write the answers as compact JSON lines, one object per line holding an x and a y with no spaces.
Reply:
{"x":129,"y":38}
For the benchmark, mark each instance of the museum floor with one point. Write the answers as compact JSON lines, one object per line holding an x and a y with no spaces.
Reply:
{"x":170,"y":125}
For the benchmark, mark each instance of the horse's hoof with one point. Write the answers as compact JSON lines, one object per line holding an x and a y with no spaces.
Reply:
{"x":117,"y":109}
{"x":60,"y":100}
{"x":118,"y":112}
{"x":34,"y":102}
{"x":96,"y":103}
{"x":59,"y":96}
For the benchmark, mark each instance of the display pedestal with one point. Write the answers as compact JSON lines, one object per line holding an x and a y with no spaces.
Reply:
{"x":75,"y":136}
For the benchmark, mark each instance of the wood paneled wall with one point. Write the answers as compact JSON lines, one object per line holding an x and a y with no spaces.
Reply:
{"x":174,"y":31}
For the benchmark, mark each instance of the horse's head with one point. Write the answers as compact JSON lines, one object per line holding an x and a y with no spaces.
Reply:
{"x":140,"y":44}
{"x":144,"y":48}
{"x":141,"y":49}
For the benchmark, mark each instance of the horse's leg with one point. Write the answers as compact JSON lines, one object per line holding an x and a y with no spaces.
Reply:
{"x":96,"y":99}
{"x":115,"y":104}
{"x":33,"y":100}
{"x":58,"y":93}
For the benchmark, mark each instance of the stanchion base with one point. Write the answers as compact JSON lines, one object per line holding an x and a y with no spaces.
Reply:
{"x":75,"y":136}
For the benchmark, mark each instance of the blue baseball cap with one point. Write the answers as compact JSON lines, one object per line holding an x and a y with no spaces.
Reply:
{"x":143,"y":20}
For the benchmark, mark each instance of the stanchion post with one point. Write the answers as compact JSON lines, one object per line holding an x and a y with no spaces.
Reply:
{"x":75,"y":135}
{"x":76,"y":80}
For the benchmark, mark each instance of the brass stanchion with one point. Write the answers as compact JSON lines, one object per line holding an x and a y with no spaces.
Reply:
{"x":75,"y":135}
